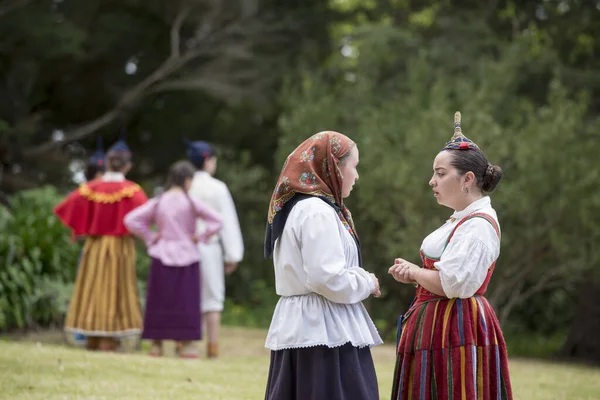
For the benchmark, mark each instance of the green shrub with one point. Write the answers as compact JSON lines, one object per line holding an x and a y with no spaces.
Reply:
{"x":35,"y":248}
{"x":50,"y":301}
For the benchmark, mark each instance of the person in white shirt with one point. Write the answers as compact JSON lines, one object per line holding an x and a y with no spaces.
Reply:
{"x":320,"y":335}
{"x":450,"y":342}
{"x":224,"y":251}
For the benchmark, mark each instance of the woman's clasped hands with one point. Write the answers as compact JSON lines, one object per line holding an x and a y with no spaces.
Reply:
{"x":404,"y":271}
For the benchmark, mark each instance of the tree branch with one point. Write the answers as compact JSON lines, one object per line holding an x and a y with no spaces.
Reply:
{"x":128,"y":99}
{"x":76,"y":134}
{"x":222,"y":43}
{"x":222,"y":89}
{"x":176,"y":31}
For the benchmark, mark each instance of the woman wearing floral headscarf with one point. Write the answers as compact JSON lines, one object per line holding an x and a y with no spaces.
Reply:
{"x":321,"y":334}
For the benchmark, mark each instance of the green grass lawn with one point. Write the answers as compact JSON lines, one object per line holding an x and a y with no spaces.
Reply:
{"x":40,"y":367}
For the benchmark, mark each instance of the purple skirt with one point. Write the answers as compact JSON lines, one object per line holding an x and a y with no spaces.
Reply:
{"x":173,"y":303}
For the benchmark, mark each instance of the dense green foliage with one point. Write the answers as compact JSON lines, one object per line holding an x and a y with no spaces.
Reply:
{"x":37,"y":257}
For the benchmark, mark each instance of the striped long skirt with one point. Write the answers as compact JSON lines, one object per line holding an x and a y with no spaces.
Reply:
{"x":106,"y":302}
{"x":452,"y":349}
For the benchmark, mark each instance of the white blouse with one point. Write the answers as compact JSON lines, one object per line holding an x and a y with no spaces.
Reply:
{"x":110,"y":176}
{"x":465,"y":261}
{"x":321,"y":284}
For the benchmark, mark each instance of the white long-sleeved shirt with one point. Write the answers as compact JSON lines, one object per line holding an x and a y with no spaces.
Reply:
{"x":216,"y":195}
{"x":465,"y":261}
{"x":321,"y":284}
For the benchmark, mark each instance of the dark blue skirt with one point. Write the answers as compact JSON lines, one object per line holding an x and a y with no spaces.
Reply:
{"x":322,"y":373}
{"x":173,"y":303}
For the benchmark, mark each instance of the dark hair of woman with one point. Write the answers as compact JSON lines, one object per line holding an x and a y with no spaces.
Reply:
{"x":116,"y":161}
{"x":91,"y":171}
{"x":179,"y":173}
{"x":487,"y":175}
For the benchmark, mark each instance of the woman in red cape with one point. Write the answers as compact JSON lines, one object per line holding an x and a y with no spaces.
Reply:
{"x":105,"y":304}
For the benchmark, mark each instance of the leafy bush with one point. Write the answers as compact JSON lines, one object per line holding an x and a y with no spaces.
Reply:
{"x":50,"y":301}
{"x":35,"y":248}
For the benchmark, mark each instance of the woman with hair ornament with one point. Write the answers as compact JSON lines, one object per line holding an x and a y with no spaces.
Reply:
{"x":450,"y":342}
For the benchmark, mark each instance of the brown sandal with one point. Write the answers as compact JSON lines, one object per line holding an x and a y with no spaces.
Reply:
{"x":92,"y":343}
{"x":212,"y":350}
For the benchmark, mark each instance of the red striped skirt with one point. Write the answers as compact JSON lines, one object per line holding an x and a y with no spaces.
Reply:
{"x":451,"y":349}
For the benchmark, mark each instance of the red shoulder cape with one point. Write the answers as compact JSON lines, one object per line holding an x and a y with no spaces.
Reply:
{"x":97,"y":208}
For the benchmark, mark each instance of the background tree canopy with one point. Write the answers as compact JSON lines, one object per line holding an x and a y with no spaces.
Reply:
{"x":258,"y":77}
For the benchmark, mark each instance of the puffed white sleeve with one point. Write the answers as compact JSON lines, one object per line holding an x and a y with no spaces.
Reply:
{"x":324,"y":261}
{"x":465,"y":261}
{"x":231,"y":234}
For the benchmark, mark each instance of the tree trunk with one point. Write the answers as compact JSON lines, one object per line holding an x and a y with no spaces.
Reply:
{"x":583,"y":342}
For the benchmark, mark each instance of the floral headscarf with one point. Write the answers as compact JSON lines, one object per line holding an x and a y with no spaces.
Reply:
{"x":310,"y":170}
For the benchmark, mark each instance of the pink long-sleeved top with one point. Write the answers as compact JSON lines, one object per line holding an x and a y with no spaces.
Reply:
{"x":174,"y":214}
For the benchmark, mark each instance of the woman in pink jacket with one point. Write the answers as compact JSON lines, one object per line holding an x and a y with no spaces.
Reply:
{"x":173,"y":293}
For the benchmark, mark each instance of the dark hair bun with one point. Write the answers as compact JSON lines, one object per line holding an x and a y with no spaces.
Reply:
{"x":117,"y":160}
{"x":491,"y":177}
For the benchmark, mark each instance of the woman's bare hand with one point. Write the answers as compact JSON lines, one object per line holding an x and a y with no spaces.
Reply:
{"x":404,"y":271}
